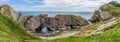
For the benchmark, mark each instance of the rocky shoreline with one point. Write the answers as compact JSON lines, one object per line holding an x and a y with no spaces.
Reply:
{"x":36,"y":23}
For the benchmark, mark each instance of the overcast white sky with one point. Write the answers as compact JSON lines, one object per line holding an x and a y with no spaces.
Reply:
{"x":55,"y":5}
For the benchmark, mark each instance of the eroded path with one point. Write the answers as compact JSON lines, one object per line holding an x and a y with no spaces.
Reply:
{"x":62,"y":35}
{"x":102,"y":27}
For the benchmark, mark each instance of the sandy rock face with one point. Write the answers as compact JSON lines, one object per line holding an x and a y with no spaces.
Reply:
{"x":8,"y":11}
{"x":32,"y":24}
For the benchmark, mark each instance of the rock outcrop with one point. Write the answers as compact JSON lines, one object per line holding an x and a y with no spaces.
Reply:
{"x":101,"y":14}
{"x":65,"y":22}
{"x":35,"y":23}
{"x":106,"y":11}
{"x":10,"y":12}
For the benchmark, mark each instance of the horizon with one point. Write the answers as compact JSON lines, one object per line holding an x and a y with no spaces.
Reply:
{"x":54,"y":11}
{"x":53,"y":5}
{"x":86,"y":15}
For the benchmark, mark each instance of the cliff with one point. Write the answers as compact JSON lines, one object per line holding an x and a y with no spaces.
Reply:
{"x":101,"y":14}
{"x":35,"y":23}
{"x":10,"y":12}
{"x":106,"y":11}
{"x":12,"y":31}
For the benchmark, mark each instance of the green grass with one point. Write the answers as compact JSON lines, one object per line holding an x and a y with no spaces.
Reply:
{"x":13,"y":31}
{"x":114,"y":10}
{"x":72,"y":18}
{"x":111,"y":35}
{"x":95,"y":25}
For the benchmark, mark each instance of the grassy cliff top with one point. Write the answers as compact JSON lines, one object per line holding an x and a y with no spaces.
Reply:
{"x":112,"y":7}
{"x":10,"y":30}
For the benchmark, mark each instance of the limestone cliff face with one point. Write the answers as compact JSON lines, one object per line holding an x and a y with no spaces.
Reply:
{"x":34,"y":23}
{"x":30,"y":23}
{"x":101,"y":14}
{"x":106,"y":11}
{"x":10,"y":12}
{"x":65,"y":21}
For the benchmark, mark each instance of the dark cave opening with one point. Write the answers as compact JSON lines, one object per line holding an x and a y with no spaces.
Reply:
{"x":46,"y":30}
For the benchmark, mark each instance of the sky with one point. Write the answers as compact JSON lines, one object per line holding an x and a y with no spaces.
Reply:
{"x":55,"y":5}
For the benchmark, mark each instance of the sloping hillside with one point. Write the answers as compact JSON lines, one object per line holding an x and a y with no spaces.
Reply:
{"x":11,"y":30}
{"x":112,"y":35}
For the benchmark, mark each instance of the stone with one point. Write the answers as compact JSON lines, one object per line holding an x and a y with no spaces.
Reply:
{"x":101,"y":14}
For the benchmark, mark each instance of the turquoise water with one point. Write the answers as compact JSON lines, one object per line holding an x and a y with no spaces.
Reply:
{"x":86,"y":15}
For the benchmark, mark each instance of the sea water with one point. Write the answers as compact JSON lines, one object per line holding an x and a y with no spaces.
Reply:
{"x":85,"y":15}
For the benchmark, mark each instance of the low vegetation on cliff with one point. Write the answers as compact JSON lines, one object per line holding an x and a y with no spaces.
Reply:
{"x":12,"y":31}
